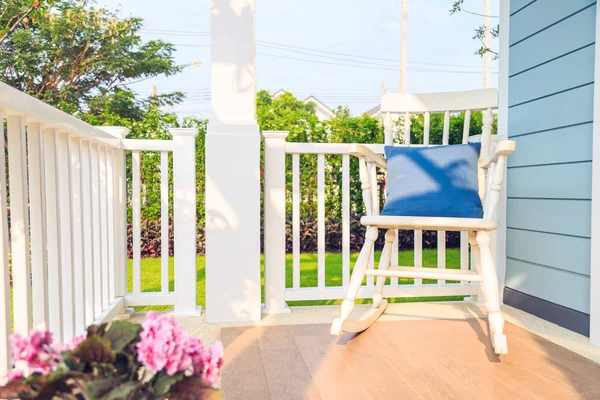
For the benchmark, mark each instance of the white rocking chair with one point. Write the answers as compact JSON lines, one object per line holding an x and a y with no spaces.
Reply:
{"x":490,"y":176}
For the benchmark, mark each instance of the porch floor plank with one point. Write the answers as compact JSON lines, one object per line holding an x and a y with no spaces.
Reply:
{"x":418,"y":359}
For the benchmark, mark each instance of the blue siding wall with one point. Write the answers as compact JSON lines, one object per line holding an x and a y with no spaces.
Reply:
{"x":549,"y":177}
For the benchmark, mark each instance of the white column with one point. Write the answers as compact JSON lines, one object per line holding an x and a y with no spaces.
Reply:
{"x":233,"y":168}
{"x":404,"y":46}
{"x":274,"y":239}
{"x":184,"y":220}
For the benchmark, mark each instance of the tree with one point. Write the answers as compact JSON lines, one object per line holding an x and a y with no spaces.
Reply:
{"x":457,"y":6}
{"x":71,"y":52}
{"x":16,"y":14}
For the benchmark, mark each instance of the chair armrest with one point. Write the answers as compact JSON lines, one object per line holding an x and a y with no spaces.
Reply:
{"x":368,"y":155}
{"x":502,"y":148}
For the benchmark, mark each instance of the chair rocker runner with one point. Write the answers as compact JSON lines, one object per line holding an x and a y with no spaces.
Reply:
{"x":490,"y":174}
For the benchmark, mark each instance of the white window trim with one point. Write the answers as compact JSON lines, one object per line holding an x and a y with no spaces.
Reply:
{"x":503,"y":51}
{"x":595,"y":217}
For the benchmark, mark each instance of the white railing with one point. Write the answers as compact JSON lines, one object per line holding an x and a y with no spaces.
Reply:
{"x":63,"y":238}
{"x":276,"y":292}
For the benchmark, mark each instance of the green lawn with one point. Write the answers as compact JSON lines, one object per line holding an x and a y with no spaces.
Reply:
{"x":308,"y":274}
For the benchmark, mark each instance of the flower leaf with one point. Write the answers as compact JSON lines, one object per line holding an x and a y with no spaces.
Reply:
{"x":164,"y":382}
{"x":95,"y":349}
{"x":101,"y":387}
{"x":122,"y":333}
{"x":16,"y":390}
{"x":122,"y":392}
{"x":193,"y":388}
{"x":96,"y":330}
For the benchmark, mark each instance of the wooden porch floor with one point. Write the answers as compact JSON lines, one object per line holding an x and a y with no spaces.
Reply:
{"x":421,"y":359}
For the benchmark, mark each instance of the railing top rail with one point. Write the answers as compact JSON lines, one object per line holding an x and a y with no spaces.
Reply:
{"x":327,"y":148}
{"x":15,"y":102}
{"x":148,"y":145}
{"x":419,"y":103}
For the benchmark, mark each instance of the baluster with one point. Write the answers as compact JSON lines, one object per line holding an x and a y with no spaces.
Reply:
{"x":418,"y":256}
{"x":372,"y":169}
{"x":407,"y":129}
{"x":464,"y":252}
{"x":5,"y":357}
{"x":164,"y":221}
{"x":55,"y":307}
{"x":135,"y":205}
{"x":321,"y":220}
{"x":296,"y":221}
{"x":87,"y":237}
{"x":110,"y":224}
{"x":117,"y":220}
{"x":96,"y":237}
{"x":37,"y":211}
{"x":19,"y":225}
{"x":466,"y":127}
{"x":66,"y":238}
{"x":103,"y":226}
{"x":345,"y":219}
{"x":388,"y":129}
{"x":121,"y":260}
{"x":441,"y":253}
{"x":426,"y":123}
{"x":77,"y":235}
{"x":446,"y":136}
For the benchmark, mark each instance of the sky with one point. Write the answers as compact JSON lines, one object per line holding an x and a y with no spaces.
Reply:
{"x":339,"y":51}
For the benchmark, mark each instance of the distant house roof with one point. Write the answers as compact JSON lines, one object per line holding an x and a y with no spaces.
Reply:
{"x":373,"y":111}
{"x":323,"y":112}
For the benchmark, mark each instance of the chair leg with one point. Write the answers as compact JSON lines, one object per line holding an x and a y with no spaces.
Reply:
{"x":491,"y":293}
{"x":343,"y":324}
{"x":384,"y":263}
{"x":477,"y":264}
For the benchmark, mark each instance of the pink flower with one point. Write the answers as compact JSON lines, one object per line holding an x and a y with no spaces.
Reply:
{"x":165,"y":345}
{"x":197,"y":353}
{"x":36,"y":351}
{"x":207,"y":363}
{"x":60,"y":347}
{"x":212,"y":369}
{"x":15,"y":375}
{"x":162,"y":344}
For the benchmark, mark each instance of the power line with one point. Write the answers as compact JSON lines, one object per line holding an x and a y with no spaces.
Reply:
{"x":284,"y":46}
{"x":367,"y":66}
{"x":478,"y":14}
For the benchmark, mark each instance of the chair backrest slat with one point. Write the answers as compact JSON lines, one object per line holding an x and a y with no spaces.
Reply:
{"x":446,"y":135}
{"x":466,"y":127}
{"x":426,"y":119}
{"x":407,"y":129}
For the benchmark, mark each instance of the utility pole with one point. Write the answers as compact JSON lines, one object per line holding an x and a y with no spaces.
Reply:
{"x":403,"y":44}
{"x":487,"y":56}
{"x":154,"y":90}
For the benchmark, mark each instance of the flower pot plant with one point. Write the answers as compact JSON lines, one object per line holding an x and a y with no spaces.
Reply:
{"x":156,"y":360}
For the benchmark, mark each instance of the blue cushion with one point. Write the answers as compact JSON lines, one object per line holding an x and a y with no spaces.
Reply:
{"x":438,"y":181}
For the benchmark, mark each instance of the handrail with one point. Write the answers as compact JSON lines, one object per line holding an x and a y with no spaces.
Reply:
{"x":15,"y":102}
